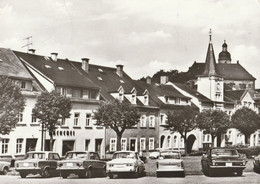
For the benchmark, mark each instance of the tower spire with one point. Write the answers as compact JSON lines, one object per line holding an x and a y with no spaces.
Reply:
{"x":210,"y":35}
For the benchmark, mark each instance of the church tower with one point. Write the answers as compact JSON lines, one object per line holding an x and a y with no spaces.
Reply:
{"x":224,"y":56}
{"x":210,"y":83}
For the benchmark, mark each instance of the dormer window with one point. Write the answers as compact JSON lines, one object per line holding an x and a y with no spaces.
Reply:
{"x":23,"y":84}
{"x":99,"y":78}
{"x":100,"y":70}
{"x":122,"y":82}
{"x":60,"y":68}
{"x":47,"y":66}
{"x":121,"y":97}
{"x":146,"y":100}
{"x":133,"y":100}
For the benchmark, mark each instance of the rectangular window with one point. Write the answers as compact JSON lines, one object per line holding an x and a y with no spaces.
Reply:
{"x":143,"y":121}
{"x":152,"y":121}
{"x":19,"y":145}
{"x":76,"y":93}
{"x":20,"y":117}
{"x":88,"y":120}
{"x":178,"y":101}
{"x":76,"y":119}
{"x":123,"y":144}
{"x":34,"y":119}
{"x":92,"y":94}
{"x":23,"y":85}
{"x":87,"y":142}
{"x":146,"y":100}
{"x":142,"y":144}
{"x":151,"y":143}
{"x":5,"y":145}
{"x":163,"y":118}
{"x":113,"y":144}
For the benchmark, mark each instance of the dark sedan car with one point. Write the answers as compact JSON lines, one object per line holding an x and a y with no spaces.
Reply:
{"x":83,"y":164}
{"x":222,"y":159}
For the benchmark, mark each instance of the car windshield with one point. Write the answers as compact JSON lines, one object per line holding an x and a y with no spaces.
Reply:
{"x":170,"y":155}
{"x":35,"y":155}
{"x":75,"y":155}
{"x":124,"y":155}
{"x":224,"y":152}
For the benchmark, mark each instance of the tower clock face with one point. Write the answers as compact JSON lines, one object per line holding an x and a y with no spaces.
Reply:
{"x":218,"y":87}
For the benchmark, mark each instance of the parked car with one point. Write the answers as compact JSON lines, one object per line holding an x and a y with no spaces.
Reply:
{"x":154,"y":154}
{"x":38,"y":162}
{"x":256,"y":163}
{"x":4,"y":167}
{"x":222,"y":159}
{"x":83,"y":164}
{"x":11,"y":159}
{"x":170,"y":162}
{"x":125,"y":162}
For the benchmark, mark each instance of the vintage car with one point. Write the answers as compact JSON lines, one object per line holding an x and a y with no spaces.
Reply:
{"x":256,"y":163}
{"x":82,"y":163}
{"x":170,"y":162}
{"x":38,"y":162}
{"x":222,"y":159}
{"x":4,"y":167}
{"x":125,"y":162}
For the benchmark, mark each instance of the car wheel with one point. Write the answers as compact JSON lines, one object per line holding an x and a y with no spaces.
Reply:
{"x":5,"y":170}
{"x":158,"y":175}
{"x":64,"y":175}
{"x":239,"y":173}
{"x":46,"y":173}
{"x":89,"y":173}
{"x":111,"y":176}
{"x":23,"y":174}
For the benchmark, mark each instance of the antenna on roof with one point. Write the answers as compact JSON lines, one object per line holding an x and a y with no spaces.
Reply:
{"x":28,"y":42}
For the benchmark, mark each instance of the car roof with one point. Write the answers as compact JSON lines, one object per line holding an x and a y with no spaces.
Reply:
{"x":125,"y":152}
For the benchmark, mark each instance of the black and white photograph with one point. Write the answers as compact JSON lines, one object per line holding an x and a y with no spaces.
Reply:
{"x":129,"y":91}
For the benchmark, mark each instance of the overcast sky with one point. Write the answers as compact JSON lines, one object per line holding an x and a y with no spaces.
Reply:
{"x":143,"y":35}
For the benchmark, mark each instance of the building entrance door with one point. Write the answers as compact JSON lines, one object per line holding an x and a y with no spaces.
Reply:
{"x":31,"y":144}
{"x":67,"y":146}
{"x":98,"y":143}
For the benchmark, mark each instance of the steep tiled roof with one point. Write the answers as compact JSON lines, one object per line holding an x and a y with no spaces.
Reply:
{"x":60,"y":71}
{"x":11,"y":66}
{"x":161,"y":90}
{"x":234,"y":94}
{"x":107,"y":79}
{"x":193,"y":92}
{"x":232,"y":71}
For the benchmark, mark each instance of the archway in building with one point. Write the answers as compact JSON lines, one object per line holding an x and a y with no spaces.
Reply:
{"x":190,"y":141}
{"x":162,"y":140}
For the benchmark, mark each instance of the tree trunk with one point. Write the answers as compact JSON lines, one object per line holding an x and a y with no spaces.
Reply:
{"x":185,"y":146}
{"x":212,"y":140}
{"x":247,"y":139}
{"x":118,"y":142}
{"x":51,"y":141}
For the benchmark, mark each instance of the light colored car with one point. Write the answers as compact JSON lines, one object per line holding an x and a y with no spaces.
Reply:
{"x":4,"y":167}
{"x":170,"y":162}
{"x":83,"y":164}
{"x":38,"y":162}
{"x":125,"y":162}
{"x":154,"y":155}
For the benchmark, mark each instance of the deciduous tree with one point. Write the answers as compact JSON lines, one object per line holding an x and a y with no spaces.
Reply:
{"x":213,"y":122}
{"x":118,"y":116}
{"x":246,"y":121}
{"x":11,"y":104}
{"x":182,"y":120}
{"x":51,"y":107}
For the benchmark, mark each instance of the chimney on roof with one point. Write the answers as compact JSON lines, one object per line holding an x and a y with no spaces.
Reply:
{"x":54,"y":56}
{"x":164,"y":79}
{"x":85,"y":64}
{"x":119,"y":70}
{"x":31,"y":51}
{"x":148,"y":80}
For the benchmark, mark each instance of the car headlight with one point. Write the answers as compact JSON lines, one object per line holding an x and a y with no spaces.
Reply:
{"x":60,"y":164}
{"x":129,"y":164}
{"x":244,"y":162}
{"x":213,"y":162}
{"x":111,"y":165}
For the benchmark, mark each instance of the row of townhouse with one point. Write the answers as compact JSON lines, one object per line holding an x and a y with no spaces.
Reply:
{"x":213,"y":86}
